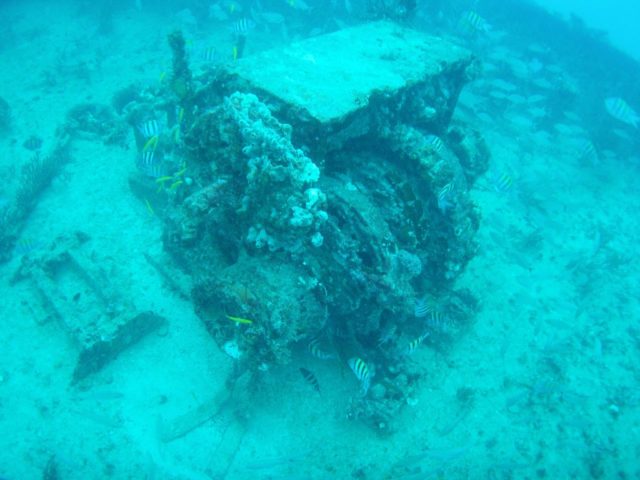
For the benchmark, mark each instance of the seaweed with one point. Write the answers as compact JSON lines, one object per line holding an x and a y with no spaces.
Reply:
{"x":35,"y":177}
{"x":181,"y":78}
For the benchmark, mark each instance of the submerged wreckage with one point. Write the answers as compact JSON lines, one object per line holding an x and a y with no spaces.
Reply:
{"x":324,"y":208}
{"x":317,"y":196}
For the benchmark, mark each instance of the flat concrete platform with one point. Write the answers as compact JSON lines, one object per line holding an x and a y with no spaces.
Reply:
{"x":332,"y":76}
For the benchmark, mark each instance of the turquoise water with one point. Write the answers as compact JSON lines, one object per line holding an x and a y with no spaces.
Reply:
{"x":314,"y":240}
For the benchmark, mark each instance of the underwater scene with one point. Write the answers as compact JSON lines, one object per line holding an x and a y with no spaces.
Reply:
{"x":317,"y":239}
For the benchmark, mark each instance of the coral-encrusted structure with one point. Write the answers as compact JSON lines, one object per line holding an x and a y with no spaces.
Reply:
{"x":339,"y":219}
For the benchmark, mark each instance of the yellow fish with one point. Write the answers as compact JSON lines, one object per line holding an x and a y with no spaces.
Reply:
{"x":181,"y":172}
{"x":149,"y":207}
{"x":151,"y":144}
{"x":414,"y":344}
{"x":163,"y":179}
{"x":175,"y":185}
{"x":244,"y":321}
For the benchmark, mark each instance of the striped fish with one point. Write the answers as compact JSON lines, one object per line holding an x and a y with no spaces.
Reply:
{"x":151,"y":164}
{"x":588,"y":153}
{"x":620,"y":110}
{"x":210,"y":55}
{"x":415,"y":343}
{"x":310,"y":378}
{"x":242,"y":27}
{"x":422,"y":308}
{"x":502,"y":182}
{"x":149,"y":128}
{"x":315,"y":348}
{"x":471,"y":22}
{"x":361,"y":371}
{"x":27,"y":245}
{"x":439,"y":322}
{"x":435,"y":143}
{"x":445,"y":197}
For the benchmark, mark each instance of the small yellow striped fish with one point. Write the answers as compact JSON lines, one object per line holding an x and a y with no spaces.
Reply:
{"x":244,"y":321}
{"x":27,"y":245}
{"x":415,"y":343}
{"x":361,"y":371}
{"x":620,"y":110}
{"x":502,"y":182}
{"x":471,"y":22}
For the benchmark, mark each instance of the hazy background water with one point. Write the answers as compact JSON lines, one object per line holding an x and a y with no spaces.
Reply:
{"x":618,"y":18}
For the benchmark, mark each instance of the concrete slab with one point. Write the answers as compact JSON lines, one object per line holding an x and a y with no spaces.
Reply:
{"x":334,"y":75}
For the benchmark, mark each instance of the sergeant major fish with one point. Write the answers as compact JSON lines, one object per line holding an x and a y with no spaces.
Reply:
{"x":316,"y":349}
{"x":242,"y":27}
{"x":415,"y":343}
{"x":361,"y":371}
{"x":620,"y":110}
{"x":149,"y":128}
{"x":311,"y":378}
{"x":445,"y":197}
